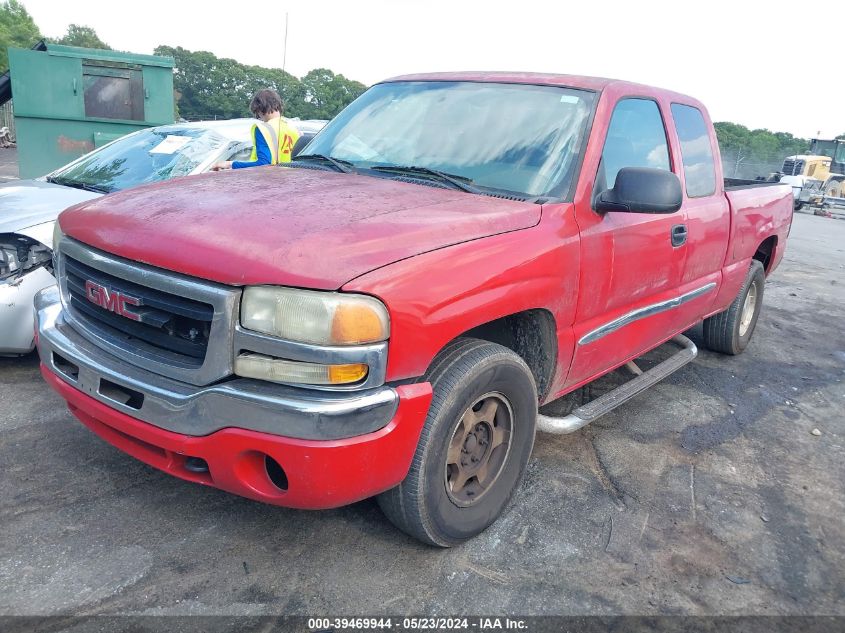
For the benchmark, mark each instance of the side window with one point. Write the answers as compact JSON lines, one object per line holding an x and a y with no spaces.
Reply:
{"x":636,"y":137}
{"x":696,"y":150}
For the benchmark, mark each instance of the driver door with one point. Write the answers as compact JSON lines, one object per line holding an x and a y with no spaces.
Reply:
{"x":629,"y":264}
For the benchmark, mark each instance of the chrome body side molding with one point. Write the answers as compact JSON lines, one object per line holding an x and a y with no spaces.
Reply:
{"x":644,"y":312}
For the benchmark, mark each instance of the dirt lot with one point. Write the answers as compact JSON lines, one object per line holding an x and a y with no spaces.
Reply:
{"x":705,"y":495}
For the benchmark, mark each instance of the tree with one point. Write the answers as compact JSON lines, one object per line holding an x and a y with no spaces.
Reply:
{"x":750,"y":153}
{"x":841,"y":137}
{"x":326,"y":94}
{"x":208,"y":86}
{"x":79,"y":35}
{"x":17,"y":29}
{"x":288,"y":87}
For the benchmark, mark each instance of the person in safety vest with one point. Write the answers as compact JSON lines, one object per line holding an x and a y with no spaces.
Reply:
{"x":273,"y":137}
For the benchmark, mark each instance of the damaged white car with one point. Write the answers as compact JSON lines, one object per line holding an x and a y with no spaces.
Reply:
{"x":29,"y":208}
{"x":24,"y":270}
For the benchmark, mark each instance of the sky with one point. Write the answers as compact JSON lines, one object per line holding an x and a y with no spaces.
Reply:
{"x":747,"y":60}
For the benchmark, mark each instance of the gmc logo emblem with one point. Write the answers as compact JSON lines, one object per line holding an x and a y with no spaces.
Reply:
{"x":112,"y":300}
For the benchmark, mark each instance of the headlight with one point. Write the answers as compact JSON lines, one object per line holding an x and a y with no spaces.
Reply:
{"x":319,"y":318}
{"x":20,"y":255}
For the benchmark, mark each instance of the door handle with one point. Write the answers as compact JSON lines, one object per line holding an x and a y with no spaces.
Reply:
{"x":679,"y":234}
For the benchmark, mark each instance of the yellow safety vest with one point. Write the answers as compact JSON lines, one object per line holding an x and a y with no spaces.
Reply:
{"x":280,"y":137}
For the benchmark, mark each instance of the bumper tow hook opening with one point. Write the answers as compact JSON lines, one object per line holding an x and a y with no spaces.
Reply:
{"x":276,"y":473}
{"x":65,"y":366}
{"x":120,"y":394}
{"x":196,"y":465}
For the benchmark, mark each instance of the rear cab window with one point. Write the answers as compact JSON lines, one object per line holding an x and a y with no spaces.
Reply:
{"x":696,"y":150}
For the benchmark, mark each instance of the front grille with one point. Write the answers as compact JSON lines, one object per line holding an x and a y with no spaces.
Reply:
{"x":186,"y":324}
{"x":792,"y":167}
{"x":171,"y":326}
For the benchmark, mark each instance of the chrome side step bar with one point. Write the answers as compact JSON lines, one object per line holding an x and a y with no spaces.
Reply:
{"x":589,"y":412}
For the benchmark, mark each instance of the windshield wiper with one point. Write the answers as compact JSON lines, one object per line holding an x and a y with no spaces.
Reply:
{"x":94,"y":188}
{"x":458,"y":182}
{"x":76,"y":184}
{"x":340,"y":165}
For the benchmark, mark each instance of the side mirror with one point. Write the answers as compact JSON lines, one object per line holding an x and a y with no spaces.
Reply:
{"x":642,"y":190}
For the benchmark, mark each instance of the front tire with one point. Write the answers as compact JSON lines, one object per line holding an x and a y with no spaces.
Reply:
{"x":474,"y":446}
{"x":729,"y":332}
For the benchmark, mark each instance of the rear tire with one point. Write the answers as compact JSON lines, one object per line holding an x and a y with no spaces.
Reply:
{"x":474,"y":446}
{"x":729,"y":332}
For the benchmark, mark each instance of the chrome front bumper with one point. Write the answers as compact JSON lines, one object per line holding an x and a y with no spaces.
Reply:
{"x":191,"y":410}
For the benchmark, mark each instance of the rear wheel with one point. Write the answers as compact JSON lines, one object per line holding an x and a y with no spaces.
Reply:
{"x":730,"y":331}
{"x":473,"y":448}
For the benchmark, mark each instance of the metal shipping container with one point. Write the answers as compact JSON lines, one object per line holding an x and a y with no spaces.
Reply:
{"x":69,"y":100}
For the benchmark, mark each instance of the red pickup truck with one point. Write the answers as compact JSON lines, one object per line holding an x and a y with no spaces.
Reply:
{"x":385,"y":315}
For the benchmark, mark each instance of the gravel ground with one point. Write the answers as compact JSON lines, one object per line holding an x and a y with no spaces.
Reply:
{"x":708,"y":494}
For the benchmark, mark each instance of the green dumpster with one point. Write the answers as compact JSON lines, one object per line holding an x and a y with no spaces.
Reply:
{"x":70,"y":100}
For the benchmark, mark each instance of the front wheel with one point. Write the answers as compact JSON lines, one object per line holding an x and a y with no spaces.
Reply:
{"x":474,"y":446}
{"x":730,"y":331}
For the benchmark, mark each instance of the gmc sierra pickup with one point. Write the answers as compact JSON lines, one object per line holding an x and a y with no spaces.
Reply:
{"x":385,"y":315}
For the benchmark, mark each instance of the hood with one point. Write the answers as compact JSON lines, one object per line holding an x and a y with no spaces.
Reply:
{"x":287,"y":226}
{"x":25,"y":203}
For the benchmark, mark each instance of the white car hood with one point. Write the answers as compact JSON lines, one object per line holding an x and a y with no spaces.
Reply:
{"x":25,"y":203}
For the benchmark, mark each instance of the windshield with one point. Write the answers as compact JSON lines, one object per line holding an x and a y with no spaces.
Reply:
{"x":147,"y":156}
{"x":823,"y":148}
{"x":510,"y":137}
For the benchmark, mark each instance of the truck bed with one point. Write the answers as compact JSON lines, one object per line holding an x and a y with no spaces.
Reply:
{"x":732,"y":184}
{"x":758,"y":210}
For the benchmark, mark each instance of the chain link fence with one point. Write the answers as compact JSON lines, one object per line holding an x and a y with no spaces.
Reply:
{"x":737,"y":166}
